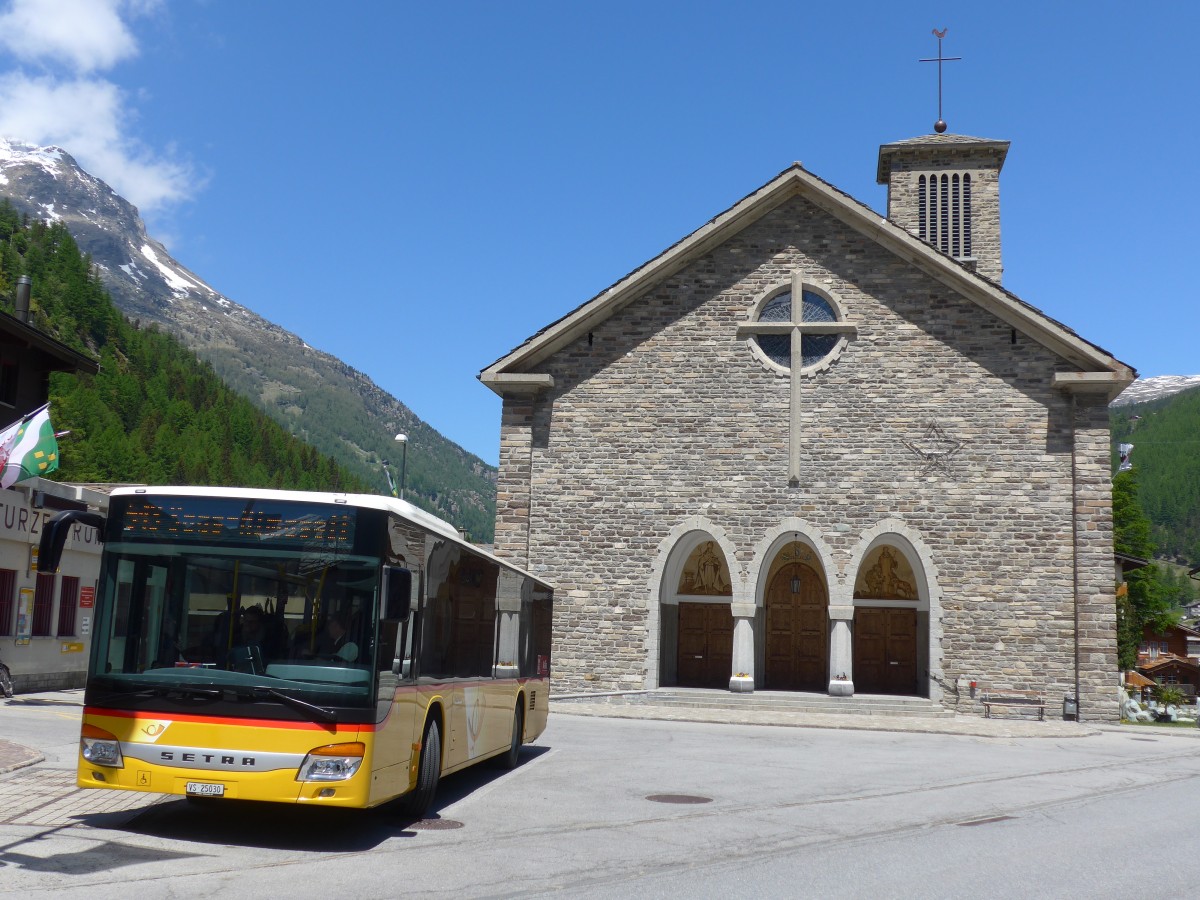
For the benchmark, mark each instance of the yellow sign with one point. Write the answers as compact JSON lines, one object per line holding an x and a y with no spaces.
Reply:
{"x":71,"y":647}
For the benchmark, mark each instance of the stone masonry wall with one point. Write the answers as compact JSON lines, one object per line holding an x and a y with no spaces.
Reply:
{"x":1098,"y":676}
{"x":665,"y":415}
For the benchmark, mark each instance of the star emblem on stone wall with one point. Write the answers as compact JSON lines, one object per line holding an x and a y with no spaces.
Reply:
{"x":935,"y":448}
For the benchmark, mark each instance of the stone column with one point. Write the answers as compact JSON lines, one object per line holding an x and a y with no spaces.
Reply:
{"x":742,"y":678}
{"x":841,"y":661}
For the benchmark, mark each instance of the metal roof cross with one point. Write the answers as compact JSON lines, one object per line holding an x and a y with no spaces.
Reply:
{"x":940,"y":125}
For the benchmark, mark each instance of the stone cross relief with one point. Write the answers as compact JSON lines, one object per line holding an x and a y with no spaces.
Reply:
{"x":796,"y":328}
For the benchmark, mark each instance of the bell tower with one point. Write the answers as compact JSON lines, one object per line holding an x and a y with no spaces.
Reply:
{"x":945,"y":190}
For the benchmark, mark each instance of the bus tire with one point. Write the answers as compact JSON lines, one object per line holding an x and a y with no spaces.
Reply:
{"x":5,"y":681}
{"x":510,"y":758}
{"x":429,"y":771}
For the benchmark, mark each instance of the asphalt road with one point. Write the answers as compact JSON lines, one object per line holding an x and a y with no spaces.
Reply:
{"x":596,"y":810}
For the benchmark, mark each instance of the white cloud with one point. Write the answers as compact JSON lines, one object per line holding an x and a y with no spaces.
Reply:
{"x":86,"y":117}
{"x":82,"y":112}
{"x":84,"y":35}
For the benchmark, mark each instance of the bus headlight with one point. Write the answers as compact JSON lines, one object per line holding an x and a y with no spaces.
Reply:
{"x":333,"y":762}
{"x":100,"y":748}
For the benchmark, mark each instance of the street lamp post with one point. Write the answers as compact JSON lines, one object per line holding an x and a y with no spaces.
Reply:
{"x":402,"y":439}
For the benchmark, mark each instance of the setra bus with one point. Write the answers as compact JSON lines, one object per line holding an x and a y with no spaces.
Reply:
{"x":318,"y":648}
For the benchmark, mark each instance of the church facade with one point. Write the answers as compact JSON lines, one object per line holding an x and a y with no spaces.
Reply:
{"x":807,"y":448}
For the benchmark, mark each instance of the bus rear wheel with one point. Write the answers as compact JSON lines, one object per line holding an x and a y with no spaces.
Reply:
{"x":429,"y":772}
{"x":510,"y":758}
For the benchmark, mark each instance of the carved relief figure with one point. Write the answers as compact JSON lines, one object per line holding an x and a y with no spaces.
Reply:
{"x":883,"y":582}
{"x":704,"y":574}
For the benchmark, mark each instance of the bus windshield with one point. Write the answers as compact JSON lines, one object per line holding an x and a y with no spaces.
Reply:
{"x":211,"y":598}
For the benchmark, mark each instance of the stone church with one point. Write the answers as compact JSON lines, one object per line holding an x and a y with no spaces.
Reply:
{"x":807,"y":448}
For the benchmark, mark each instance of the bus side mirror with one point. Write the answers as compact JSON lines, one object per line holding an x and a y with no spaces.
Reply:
{"x":397,"y":593}
{"x":54,"y":536}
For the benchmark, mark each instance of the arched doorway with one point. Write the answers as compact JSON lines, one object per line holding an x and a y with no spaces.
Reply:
{"x":886,"y":640}
{"x":797,"y":629}
{"x":696,"y":636}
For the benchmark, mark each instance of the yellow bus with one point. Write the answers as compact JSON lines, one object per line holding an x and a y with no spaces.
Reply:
{"x":318,"y":648}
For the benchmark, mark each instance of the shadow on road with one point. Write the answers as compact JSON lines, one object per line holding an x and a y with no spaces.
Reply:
{"x":286,"y":827}
{"x":103,"y":856}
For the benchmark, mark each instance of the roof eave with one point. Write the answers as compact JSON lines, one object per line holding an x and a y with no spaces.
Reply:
{"x":507,"y":383}
{"x":71,"y":360}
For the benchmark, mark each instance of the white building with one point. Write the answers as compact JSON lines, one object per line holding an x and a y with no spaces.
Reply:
{"x":46,"y":620}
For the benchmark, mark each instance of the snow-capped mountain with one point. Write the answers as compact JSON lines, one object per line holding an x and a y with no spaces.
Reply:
{"x":295,"y":383}
{"x":1155,"y":388}
{"x":48,"y":184}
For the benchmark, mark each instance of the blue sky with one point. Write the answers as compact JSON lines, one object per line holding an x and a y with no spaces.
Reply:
{"x":418,"y":188}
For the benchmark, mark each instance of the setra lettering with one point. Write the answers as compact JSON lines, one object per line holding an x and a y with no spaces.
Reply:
{"x":191,"y":756}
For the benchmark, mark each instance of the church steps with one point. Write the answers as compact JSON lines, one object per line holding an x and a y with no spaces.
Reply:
{"x":778,"y":701}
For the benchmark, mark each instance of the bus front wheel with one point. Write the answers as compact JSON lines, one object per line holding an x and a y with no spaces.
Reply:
{"x":429,"y":771}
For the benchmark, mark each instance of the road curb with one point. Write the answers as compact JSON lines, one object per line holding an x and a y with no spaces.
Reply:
{"x":15,"y":756}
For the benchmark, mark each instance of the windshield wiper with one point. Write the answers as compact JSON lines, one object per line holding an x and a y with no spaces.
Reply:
{"x":320,"y":713}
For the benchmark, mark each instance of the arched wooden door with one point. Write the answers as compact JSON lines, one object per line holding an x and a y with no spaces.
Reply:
{"x":797,"y":630}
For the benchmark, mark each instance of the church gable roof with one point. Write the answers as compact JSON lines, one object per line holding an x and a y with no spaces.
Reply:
{"x":1100,"y":372}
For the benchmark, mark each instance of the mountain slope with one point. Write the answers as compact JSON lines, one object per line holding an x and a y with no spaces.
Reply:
{"x":1165,"y":433}
{"x":1146,"y":389}
{"x":154,"y":413}
{"x":314,"y":395}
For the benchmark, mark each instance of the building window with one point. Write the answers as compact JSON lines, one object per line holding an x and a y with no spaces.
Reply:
{"x":43,"y":605}
{"x":8,"y":382}
{"x":814,"y":348}
{"x":68,"y":602}
{"x":8,"y":590}
{"x":944,"y":213}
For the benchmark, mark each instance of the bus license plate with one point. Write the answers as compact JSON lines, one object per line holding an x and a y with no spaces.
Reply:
{"x":203,"y":789}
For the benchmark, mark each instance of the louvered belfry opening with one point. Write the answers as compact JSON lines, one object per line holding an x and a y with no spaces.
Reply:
{"x":944,"y":212}
{"x":944,"y":189}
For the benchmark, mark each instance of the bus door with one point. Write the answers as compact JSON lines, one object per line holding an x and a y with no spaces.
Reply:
{"x":397,"y":705}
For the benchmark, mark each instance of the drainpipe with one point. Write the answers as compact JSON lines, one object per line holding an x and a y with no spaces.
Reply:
{"x":1075,"y":548}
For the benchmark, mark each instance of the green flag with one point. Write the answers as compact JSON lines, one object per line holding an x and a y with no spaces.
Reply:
{"x":28,"y":448}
